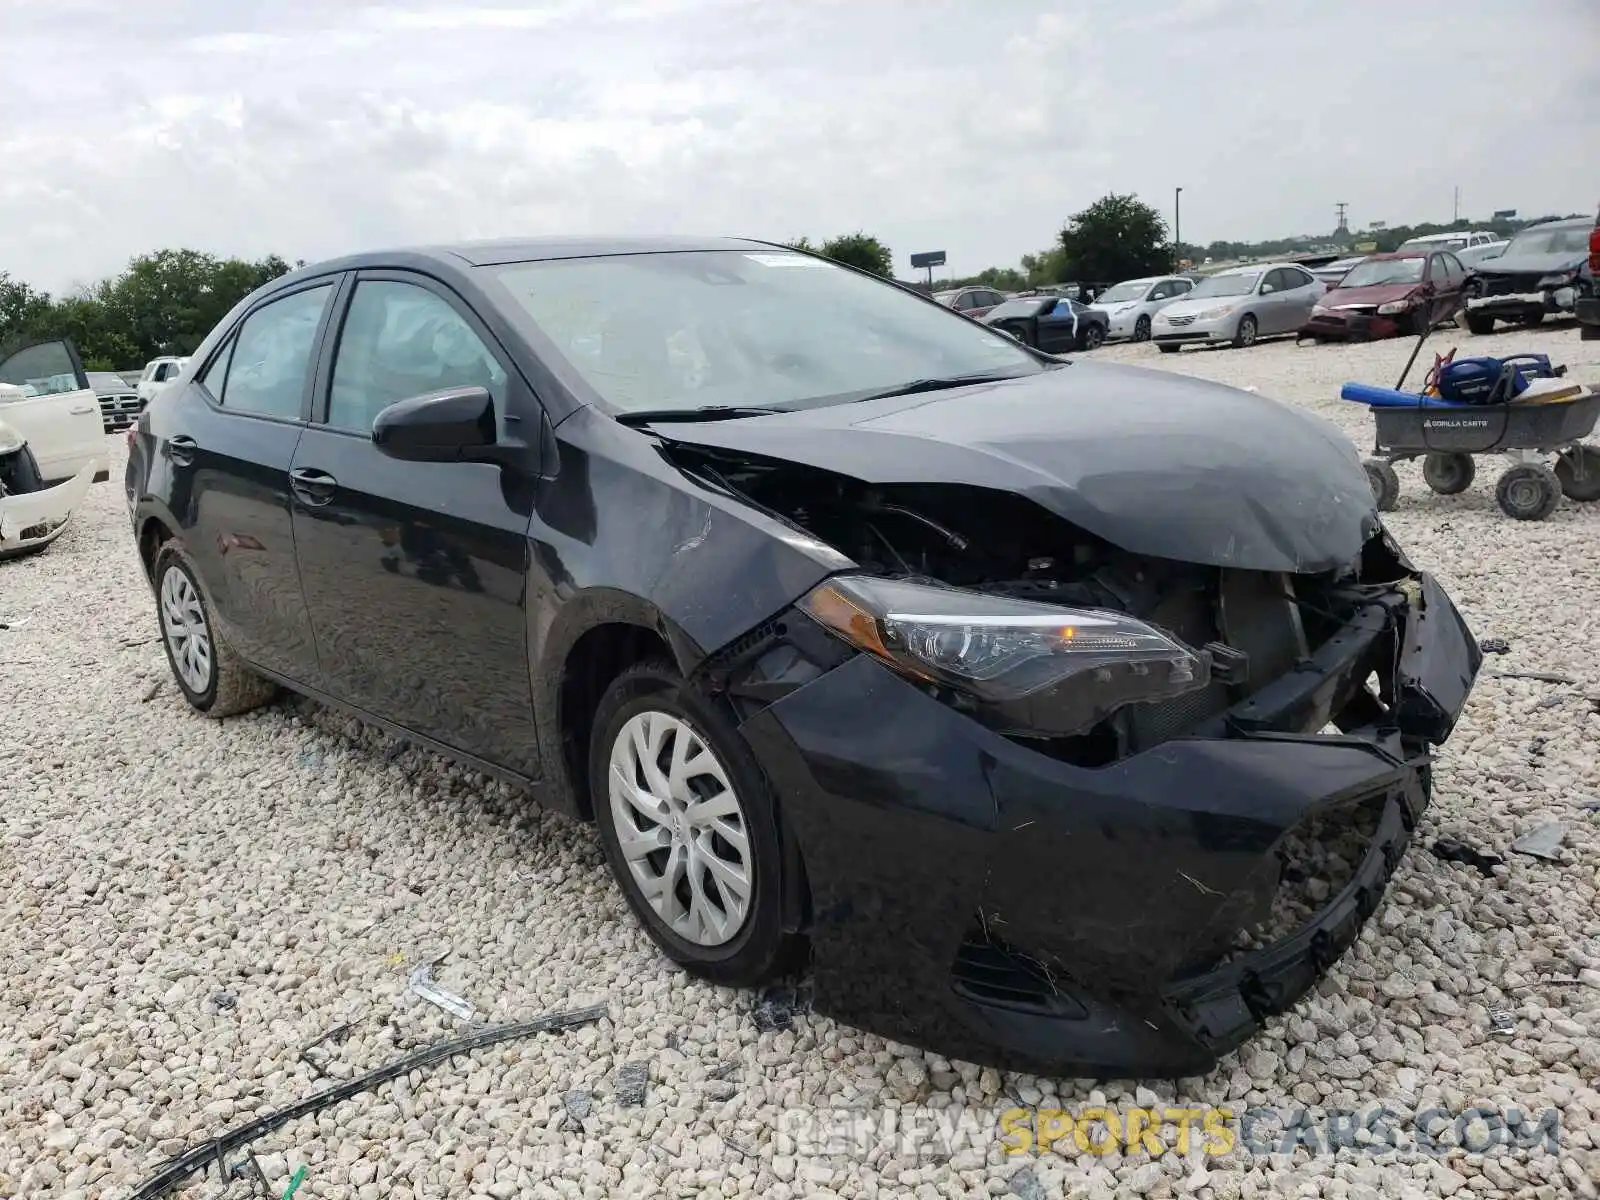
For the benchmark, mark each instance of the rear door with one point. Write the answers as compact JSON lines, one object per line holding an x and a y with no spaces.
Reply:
{"x":1449,"y":278}
{"x":59,"y":413}
{"x":414,"y":572}
{"x":222,"y":461}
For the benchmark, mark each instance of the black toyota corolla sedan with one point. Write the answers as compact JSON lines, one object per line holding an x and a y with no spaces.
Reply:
{"x":1061,"y":716}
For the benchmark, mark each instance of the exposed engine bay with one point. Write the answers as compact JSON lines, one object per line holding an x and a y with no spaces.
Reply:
{"x":1254,"y":626}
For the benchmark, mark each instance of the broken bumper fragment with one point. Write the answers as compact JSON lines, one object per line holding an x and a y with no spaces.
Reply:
{"x":32,"y":520}
{"x":980,"y":897}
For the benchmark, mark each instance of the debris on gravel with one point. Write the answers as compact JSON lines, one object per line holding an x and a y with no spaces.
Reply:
{"x":298,"y":864}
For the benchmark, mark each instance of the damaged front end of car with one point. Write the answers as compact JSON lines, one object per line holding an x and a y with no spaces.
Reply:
{"x":1067,"y":808}
{"x":32,"y":515}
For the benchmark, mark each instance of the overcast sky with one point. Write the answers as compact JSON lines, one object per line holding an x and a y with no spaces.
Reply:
{"x":314,"y":127}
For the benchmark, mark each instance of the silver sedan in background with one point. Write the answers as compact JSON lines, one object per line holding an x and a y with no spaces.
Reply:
{"x":1130,"y":305}
{"x":1237,"y":306}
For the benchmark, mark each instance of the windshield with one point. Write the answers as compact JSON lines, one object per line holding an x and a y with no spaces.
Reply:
{"x":1549,"y":241}
{"x":686,"y":330}
{"x":1225,"y":285}
{"x":1132,"y":290}
{"x":1433,"y":244}
{"x":1384,"y":270}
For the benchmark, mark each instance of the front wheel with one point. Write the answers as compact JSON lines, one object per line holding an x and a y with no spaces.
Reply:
{"x":690,"y":827}
{"x":1245,"y":335}
{"x":1532,"y":317}
{"x":1479,"y":323}
{"x":1385,"y":483}
{"x":1169,"y":349}
{"x":1141,"y":329}
{"x":212,"y":678}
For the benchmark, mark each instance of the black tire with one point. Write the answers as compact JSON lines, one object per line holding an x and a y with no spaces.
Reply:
{"x":1169,"y":349}
{"x":1245,"y":335}
{"x":1528,"y":492}
{"x":1141,"y":329}
{"x":1093,"y":337}
{"x":1586,"y":489}
{"x":1479,"y":323}
{"x":1448,"y":474}
{"x":760,"y":950}
{"x":230,"y":687}
{"x":1532,"y":317}
{"x":1385,"y":483}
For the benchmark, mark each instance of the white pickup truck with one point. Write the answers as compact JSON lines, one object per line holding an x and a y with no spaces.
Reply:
{"x":52,"y":443}
{"x":158,"y":374}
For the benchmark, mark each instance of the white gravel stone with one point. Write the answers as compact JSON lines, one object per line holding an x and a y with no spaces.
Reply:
{"x":153,"y":862}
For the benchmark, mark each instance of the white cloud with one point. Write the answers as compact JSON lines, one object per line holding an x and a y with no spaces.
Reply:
{"x":312,"y":127}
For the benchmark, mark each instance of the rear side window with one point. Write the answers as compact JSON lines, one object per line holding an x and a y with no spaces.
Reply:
{"x":270,"y":359}
{"x":400,"y":340}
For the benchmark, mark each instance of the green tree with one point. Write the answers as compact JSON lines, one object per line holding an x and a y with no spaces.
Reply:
{"x":858,"y":250}
{"x":21,"y":308}
{"x":1116,"y":237}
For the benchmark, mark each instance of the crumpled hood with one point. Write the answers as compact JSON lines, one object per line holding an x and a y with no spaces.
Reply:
{"x":1153,"y":462}
{"x":1374,"y":294}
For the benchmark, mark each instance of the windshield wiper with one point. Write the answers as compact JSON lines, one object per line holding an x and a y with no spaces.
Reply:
{"x":712,"y":412}
{"x":936,"y":384}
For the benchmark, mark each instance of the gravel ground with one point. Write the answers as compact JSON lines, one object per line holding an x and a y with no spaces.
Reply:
{"x":186,"y":904}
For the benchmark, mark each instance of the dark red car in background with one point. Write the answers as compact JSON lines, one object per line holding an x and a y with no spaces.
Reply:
{"x":1390,"y":294}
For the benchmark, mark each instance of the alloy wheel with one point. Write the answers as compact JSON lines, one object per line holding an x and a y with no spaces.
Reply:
{"x":680,"y":828}
{"x":183,"y":624}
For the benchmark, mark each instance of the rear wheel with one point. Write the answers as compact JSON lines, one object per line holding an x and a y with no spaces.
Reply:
{"x":1480,"y":323}
{"x":1385,"y":483}
{"x":1448,"y":474}
{"x":1245,"y":335}
{"x":1169,"y":349}
{"x":1528,"y":492}
{"x":690,"y":827}
{"x":1141,"y":329}
{"x":1578,"y":471}
{"x":212,"y":678}
{"x":1093,"y":337}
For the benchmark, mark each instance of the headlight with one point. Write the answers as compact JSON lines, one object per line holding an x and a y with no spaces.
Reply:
{"x":1559,"y":278}
{"x":1393,"y":307}
{"x":1034,"y":668}
{"x":1212,"y":314}
{"x":10,"y":440}
{"x":1318,"y":309}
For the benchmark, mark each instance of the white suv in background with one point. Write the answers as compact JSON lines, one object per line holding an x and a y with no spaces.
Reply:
{"x":159,"y":372}
{"x":1129,"y":306}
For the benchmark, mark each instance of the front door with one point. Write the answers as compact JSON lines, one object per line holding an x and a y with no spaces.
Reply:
{"x":56,"y":411}
{"x":414,"y":572}
{"x":238,"y":422}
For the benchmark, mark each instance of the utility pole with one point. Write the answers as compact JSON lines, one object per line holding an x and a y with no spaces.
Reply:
{"x":1456,"y":215}
{"x":1177,"y":229}
{"x":1339,"y":207}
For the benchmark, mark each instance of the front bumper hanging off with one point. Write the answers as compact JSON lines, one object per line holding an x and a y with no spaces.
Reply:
{"x":982,"y":899}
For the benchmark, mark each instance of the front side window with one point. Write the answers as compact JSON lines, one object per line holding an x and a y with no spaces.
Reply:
{"x":686,"y":330}
{"x":42,"y":370}
{"x":398,"y":341}
{"x":271,"y":356}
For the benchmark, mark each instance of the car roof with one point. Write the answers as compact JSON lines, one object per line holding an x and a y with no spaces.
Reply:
{"x":1559,"y":223}
{"x":500,"y":251}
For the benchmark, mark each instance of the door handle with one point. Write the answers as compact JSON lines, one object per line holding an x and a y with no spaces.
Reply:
{"x":314,"y":488}
{"x":180,"y":449}
{"x":87,"y":408}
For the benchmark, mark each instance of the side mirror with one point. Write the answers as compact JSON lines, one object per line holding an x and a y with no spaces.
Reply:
{"x":454,"y":425}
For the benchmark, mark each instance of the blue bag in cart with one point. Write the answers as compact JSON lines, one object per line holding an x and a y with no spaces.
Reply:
{"x":1486,"y":380}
